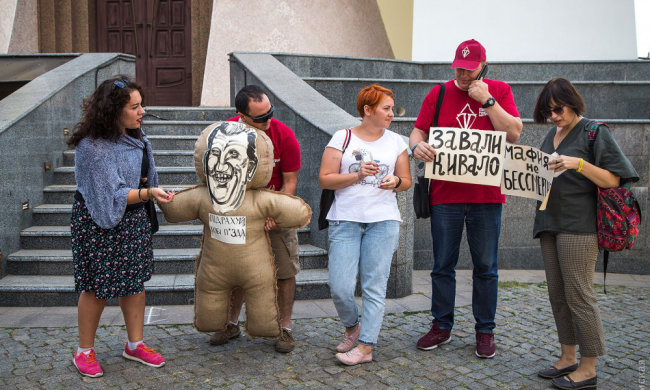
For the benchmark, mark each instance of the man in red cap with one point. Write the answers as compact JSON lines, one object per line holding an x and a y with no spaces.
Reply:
{"x":469,"y":103}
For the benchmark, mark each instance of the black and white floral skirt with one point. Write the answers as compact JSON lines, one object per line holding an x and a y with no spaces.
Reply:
{"x":111,"y":262}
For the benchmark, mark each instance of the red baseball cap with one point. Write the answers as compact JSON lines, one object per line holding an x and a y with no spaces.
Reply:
{"x":469,"y":55}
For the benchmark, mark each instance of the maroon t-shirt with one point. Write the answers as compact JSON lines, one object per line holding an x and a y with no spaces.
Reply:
{"x":461,"y":111}
{"x":286,"y":151}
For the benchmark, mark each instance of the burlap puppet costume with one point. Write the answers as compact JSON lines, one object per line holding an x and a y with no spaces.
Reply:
{"x":234,"y":162}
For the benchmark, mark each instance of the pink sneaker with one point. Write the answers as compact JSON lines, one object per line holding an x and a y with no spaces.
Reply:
{"x":144,"y":355}
{"x":349,"y":341}
{"x":354,"y":357}
{"x":86,"y":363}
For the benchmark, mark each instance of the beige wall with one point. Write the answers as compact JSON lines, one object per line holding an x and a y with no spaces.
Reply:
{"x":7,"y":15}
{"x":23,"y":38}
{"x":330,"y":27}
{"x":398,"y":19}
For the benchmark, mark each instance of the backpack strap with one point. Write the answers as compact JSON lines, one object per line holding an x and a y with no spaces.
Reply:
{"x":441,"y":96}
{"x":592,"y":129}
{"x":346,"y":141}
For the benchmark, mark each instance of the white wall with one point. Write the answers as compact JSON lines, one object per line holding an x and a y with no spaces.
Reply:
{"x":526,"y":30}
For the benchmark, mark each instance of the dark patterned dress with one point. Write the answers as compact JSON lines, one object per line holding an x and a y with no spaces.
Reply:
{"x":111,"y":262}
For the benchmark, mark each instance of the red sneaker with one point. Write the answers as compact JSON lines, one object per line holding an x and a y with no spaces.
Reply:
{"x":435,"y":337}
{"x":144,"y":355}
{"x":485,"y":346}
{"x":86,"y":363}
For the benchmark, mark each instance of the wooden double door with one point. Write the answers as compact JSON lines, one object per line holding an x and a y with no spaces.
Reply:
{"x":158,"y":34}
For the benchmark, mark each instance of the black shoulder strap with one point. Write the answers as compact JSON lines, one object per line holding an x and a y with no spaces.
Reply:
{"x":441,"y":95}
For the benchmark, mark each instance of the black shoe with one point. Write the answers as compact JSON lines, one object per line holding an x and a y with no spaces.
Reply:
{"x":553,"y":372}
{"x":562,"y":383}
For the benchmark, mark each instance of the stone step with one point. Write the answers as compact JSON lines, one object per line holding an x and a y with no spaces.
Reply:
{"x":64,"y":193}
{"x":211,"y":114}
{"x":604,"y":99}
{"x":162,"y":289}
{"x":168,"y":236}
{"x":174,"y":127}
{"x":167,"y":261}
{"x":58,"y":237}
{"x":337,"y":66}
{"x":173,"y":142}
{"x":178,"y":175}
{"x":168,"y":158}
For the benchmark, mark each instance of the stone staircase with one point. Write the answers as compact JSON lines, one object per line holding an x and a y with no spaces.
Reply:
{"x":40,"y":273}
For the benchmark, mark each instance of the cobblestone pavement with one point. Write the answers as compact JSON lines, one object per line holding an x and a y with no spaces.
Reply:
{"x":525,"y":335}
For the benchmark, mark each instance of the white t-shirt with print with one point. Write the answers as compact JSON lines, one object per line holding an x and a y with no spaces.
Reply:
{"x":364,"y":201}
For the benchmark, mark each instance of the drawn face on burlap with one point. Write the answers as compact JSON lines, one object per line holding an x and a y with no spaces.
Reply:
{"x":229,"y":163}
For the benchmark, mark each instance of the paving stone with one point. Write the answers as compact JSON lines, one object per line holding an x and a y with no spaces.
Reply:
{"x":525,"y":335}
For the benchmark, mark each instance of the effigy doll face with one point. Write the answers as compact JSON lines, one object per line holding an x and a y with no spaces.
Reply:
{"x":229,"y":164}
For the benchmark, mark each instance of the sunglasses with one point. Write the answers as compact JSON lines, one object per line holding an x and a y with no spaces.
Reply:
{"x":119,"y":83}
{"x":262,"y":118}
{"x":557,"y":110}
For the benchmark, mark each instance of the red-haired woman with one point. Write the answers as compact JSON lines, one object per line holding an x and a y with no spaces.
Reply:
{"x":364,"y":219}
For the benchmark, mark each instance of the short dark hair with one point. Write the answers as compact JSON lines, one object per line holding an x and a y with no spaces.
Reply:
{"x":561,"y":92}
{"x":245,"y":95}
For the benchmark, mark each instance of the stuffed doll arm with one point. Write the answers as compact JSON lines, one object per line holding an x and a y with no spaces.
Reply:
{"x":289,"y":211}
{"x":186,"y":205}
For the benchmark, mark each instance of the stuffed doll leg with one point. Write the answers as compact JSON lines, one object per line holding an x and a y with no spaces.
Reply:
{"x":211,"y":309}
{"x":262,"y":315}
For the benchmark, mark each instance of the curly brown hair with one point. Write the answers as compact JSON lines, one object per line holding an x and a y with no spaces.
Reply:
{"x":103,"y":109}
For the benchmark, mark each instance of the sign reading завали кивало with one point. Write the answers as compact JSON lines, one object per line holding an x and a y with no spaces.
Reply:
{"x":484,"y":157}
{"x":466,"y":155}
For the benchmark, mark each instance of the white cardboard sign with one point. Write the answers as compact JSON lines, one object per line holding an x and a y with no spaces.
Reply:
{"x":526,"y":172}
{"x":467,"y":155}
{"x":231,"y":230}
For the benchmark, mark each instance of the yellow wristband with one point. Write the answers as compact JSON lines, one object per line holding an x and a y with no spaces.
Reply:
{"x":150,"y":193}
{"x":580,"y":165}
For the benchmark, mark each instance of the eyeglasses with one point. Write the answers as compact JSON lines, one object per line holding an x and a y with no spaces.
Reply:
{"x":262,"y":118}
{"x":557,"y":110}
{"x":119,"y":83}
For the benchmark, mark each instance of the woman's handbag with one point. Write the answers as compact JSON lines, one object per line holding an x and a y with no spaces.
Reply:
{"x":421,"y":200}
{"x":327,"y":196}
{"x":421,"y":197}
{"x":150,"y":208}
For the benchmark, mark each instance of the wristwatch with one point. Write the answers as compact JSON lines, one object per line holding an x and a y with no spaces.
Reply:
{"x":490,"y":102}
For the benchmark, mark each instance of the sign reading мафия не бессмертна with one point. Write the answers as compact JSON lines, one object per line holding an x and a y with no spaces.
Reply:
{"x":484,"y":157}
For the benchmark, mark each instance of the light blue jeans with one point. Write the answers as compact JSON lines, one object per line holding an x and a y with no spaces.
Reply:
{"x":365,"y":249}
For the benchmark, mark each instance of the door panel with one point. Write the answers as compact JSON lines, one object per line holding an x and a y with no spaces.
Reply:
{"x":158,"y":33}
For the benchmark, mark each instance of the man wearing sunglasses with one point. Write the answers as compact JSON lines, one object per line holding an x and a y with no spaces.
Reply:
{"x":255,"y":110}
{"x":469,"y":101}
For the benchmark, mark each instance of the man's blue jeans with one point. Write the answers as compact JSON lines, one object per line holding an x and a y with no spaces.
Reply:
{"x":483,"y":222}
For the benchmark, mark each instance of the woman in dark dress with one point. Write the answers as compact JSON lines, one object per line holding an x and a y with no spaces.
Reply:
{"x":567,"y":227}
{"x":110,"y":229}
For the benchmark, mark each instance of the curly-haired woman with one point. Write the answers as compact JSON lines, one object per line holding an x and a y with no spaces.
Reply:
{"x":110,"y":229}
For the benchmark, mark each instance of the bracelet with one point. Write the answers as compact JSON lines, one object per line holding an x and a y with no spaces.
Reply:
{"x":140,"y":194}
{"x":150,"y":193}
{"x":413,"y":148}
{"x":399,"y":182}
{"x":580,"y":165}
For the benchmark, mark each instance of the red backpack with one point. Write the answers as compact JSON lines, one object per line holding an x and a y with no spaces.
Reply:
{"x":618,"y":217}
